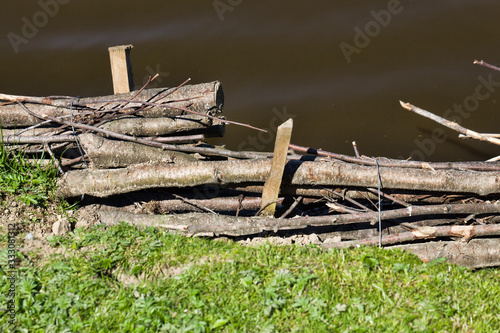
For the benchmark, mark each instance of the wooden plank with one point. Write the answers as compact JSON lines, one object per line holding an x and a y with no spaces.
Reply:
{"x":273,"y":182}
{"x":121,"y":68}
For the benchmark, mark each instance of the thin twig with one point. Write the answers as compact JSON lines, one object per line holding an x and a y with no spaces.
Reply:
{"x":192,"y":203}
{"x":355,"y":146}
{"x":265,"y":206}
{"x":56,"y":162}
{"x":450,"y":124}
{"x":292,"y":207}
{"x":354,"y":202}
{"x":183,"y":148}
{"x":479,"y":166}
{"x":171,"y":91}
{"x":485,"y":64}
{"x":193,"y":112}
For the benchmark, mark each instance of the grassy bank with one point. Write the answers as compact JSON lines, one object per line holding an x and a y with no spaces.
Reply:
{"x":122,"y":279}
{"x":128,"y":280}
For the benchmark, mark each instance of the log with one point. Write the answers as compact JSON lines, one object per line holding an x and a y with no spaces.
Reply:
{"x":139,"y":126}
{"x":102,"y":183}
{"x":466,"y":232}
{"x":200,"y":223}
{"x":105,"y":153}
{"x":184,"y":148}
{"x":478,"y":253}
{"x":207,"y":98}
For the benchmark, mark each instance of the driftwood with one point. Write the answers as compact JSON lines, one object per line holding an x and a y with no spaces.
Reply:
{"x":103,"y":183}
{"x":205,"y":98}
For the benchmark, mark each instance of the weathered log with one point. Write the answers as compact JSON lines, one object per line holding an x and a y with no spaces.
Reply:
{"x":139,"y":126}
{"x":206,"y":98}
{"x":199,"y":223}
{"x":105,"y":153}
{"x":103,"y":183}
{"x":477,"y":253}
{"x":466,"y":232}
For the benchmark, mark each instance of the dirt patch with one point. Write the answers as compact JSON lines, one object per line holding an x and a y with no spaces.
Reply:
{"x":34,"y":224}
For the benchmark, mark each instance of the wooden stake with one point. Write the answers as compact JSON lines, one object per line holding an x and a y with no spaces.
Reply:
{"x":273,"y":183}
{"x":121,"y":68}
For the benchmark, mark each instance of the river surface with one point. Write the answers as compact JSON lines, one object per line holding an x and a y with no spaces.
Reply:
{"x":338,"y":68}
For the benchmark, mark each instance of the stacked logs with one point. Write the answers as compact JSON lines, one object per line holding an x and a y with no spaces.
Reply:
{"x":139,"y":157}
{"x":114,"y":131}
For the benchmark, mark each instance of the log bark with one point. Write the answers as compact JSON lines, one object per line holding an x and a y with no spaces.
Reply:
{"x":105,"y":153}
{"x":361,"y":194}
{"x":103,"y":183}
{"x":206,"y":98}
{"x":199,"y":223}
{"x":466,"y":232}
{"x":478,"y":253}
{"x":140,"y":126}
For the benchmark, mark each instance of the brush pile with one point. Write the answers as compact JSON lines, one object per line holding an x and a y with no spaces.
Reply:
{"x":141,"y":158}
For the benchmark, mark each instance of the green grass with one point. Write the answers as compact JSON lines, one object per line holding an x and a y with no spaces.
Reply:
{"x":197,"y":285}
{"x":32,"y":184}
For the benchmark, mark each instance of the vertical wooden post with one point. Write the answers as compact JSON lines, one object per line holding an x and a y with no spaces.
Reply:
{"x":121,"y":68}
{"x":273,"y":182}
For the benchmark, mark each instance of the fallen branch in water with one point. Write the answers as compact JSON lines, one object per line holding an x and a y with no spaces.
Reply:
{"x":450,"y":124}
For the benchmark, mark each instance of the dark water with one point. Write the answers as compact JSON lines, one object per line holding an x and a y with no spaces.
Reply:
{"x":278,"y":59}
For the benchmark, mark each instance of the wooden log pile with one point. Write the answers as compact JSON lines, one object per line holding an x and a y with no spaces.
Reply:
{"x":140,"y":157}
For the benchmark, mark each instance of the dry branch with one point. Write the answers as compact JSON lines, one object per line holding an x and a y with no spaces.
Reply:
{"x":450,"y":124}
{"x":23,"y":139}
{"x":387,"y":162}
{"x":184,"y":148}
{"x":199,"y":223}
{"x":206,"y":98}
{"x":103,"y":183}
{"x":424,"y":233}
